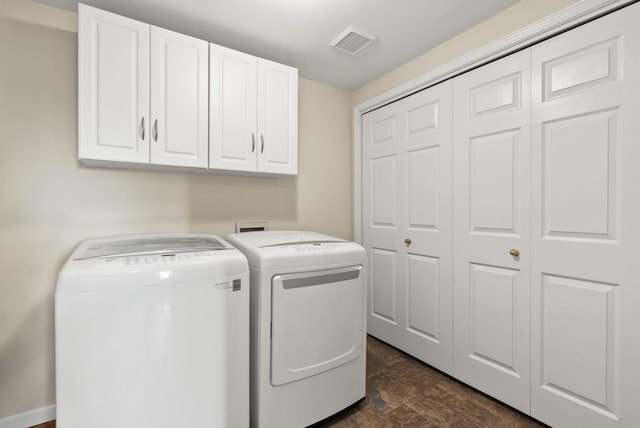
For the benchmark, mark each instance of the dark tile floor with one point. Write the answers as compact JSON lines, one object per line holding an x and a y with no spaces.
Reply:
{"x":402,"y":391}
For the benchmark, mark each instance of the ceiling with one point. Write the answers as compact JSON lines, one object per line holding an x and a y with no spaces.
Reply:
{"x":298,"y":32}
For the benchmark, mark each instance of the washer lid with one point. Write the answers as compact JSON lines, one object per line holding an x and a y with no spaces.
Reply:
{"x":149,"y":244}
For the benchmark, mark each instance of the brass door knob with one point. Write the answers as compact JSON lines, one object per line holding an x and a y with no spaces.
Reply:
{"x":514,"y":252}
{"x":407,"y":241}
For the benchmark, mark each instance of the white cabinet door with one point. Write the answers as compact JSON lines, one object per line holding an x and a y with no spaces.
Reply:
{"x":586,"y":209}
{"x":113,"y":96}
{"x":407,"y":227}
{"x":233,"y":110}
{"x":179,"y":99}
{"x":277,"y":118}
{"x":491,"y":219}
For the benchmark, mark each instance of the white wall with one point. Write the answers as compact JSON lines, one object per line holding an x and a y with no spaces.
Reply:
{"x":49,"y":202}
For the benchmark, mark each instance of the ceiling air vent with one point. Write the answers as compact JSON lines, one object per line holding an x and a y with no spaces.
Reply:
{"x":352,"y":40}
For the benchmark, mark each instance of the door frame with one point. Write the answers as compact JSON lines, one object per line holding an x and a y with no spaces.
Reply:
{"x":563,"y":20}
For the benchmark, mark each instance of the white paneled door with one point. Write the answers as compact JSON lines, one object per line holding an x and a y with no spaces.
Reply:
{"x":491,"y":190}
{"x":407,"y":224}
{"x":586,"y":214}
{"x":277,"y":144}
{"x":233,"y":124}
{"x":113,"y":104}
{"x":179,"y":99}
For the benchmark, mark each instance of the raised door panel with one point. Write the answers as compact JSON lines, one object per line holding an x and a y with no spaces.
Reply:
{"x":491,"y":217}
{"x":233,"y":110}
{"x":579,"y":319}
{"x":384,"y":285}
{"x":113,"y":87}
{"x":277,"y":118}
{"x":383,"y":130}
{"x":582,"y":69}
{"x":493,"y":183}
{"x":569,"y":211}
{"x":179,"y":99}
{"x":492,"y":315}
{"x":423,"y":290}
{"x":383,"y":180}
{"x":499,"y":95}
{"x":585,"y":208}
{"x":423,"y":187}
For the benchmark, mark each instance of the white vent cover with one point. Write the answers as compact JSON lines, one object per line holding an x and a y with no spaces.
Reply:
{"x":352,"y":40}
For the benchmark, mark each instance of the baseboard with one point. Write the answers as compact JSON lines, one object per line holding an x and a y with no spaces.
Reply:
{"x":30,"y":418}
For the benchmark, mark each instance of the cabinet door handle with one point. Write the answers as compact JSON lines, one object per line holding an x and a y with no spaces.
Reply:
{"x":155,"y":130}
{"x":253,"y":143}
{"x":142,"y":128}
{"x":262,"y":142}
{"x":407,"y":241}
{"x":514,"y":252}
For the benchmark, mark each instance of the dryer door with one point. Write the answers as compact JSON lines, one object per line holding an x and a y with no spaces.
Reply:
{"x":316,"y":322}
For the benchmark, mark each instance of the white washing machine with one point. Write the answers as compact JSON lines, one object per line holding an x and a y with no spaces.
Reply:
{"x":308,"y":342}
{"x":153,"y":331}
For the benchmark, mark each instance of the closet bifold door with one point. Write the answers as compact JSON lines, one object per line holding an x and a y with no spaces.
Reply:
{"x":491,"y":186}
{"x":407,"y":224}
{"x":586,"y":211}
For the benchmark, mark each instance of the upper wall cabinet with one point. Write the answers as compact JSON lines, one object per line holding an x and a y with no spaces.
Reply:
{"x":143,"y":93}
{"x":253,"y":114}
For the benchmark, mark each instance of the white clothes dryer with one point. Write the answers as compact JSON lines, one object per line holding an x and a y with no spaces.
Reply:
{"x":308,"y":340}
{"x":153,"y":331}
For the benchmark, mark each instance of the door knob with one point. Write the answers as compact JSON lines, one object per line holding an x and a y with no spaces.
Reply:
{"x":407,"y":241}
{"x":514,"y":252}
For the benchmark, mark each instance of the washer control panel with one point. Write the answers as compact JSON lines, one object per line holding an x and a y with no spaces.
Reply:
{"x":159,"y":258}
{"x":314,"y":247}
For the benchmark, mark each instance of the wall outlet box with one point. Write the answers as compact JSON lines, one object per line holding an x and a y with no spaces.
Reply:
{"x":251,"y":226}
